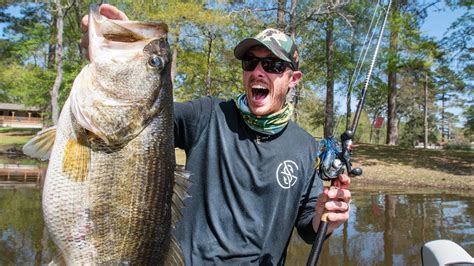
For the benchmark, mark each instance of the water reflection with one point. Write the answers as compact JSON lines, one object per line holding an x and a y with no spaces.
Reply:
{"x":23,"y":240}
{"x":389,"y":228}
{"x":21,"y":170}
{"x":385,"y":228}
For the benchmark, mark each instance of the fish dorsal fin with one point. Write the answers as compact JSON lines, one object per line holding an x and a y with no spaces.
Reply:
{"x":174,"y":256}
{"x":180,"y":192}
{"x":41,"y":145}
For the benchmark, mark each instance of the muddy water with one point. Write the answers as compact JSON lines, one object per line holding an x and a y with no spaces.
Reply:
{"x":385,"y":228}
{"x":390,"y":227}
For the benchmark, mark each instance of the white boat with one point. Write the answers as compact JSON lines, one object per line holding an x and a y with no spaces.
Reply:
{"x":444,"y":252}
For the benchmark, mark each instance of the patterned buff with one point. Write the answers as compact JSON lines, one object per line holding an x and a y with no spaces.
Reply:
{"x":269,"y":124}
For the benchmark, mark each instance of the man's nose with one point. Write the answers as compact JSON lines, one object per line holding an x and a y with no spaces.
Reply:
{"x":259,"y":69}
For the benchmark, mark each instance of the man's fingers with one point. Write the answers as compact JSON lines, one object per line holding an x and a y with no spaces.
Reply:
{"x":338,"y":217}
{"x":84,"y":23}
{"x":106,"y":10}
{"x":112,"y":12}
{"x":337,"y":206}
{"x":339,"y":194}
{"x":343,"y":181}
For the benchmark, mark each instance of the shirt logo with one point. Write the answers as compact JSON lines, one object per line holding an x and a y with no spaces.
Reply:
{"x":285,"y":174}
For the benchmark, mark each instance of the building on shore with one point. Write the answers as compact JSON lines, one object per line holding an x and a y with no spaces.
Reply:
{"x":20,"y":116}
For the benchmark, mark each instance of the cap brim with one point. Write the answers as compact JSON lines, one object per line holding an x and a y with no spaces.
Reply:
{"x":247,"y":44}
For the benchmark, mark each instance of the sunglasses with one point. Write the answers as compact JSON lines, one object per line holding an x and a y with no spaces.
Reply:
{"x":269,"y":64}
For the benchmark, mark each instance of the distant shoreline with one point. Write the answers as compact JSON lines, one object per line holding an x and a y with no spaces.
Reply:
{"x":383,"y":166}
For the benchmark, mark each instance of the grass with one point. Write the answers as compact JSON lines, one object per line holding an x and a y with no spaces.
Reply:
{"x":396,"y":166}
{"x":15,"y":137}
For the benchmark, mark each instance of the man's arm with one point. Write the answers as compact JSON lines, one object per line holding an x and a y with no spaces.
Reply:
{"x":188,"y":121}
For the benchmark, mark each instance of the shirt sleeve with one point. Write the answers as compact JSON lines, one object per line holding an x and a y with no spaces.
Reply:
{"x":188,"y":121}
{"x":306,"y":209}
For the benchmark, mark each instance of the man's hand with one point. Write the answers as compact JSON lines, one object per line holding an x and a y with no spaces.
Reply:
{"x":105,"y":10}
{"x":335,"y":201}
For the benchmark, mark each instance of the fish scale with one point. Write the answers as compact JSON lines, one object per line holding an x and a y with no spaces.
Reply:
{"x":112,"y":190}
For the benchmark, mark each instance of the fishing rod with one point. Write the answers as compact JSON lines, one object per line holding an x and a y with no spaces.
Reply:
{"x":334,"y":159}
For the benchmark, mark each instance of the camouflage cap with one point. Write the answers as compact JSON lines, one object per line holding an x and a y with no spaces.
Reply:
{"x":280,"y":44}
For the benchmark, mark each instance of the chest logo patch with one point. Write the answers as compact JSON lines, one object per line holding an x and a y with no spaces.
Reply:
{"x":285,"y":174}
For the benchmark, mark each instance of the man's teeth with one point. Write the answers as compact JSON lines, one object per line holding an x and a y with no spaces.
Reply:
{"x":259,"y":92}
{"x":259,"y":88}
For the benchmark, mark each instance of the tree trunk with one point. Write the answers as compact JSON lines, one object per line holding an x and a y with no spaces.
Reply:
{"x":51,"y":45}
{"x":425,"y":113}
{"x":329,"y":117}
{"x":392,"y":122}
{"x":443,"y":118}
{"x":297,"y":90}
{"x":175,"y":53}
{"x":59,"y":63}
{"x":376,"y":114}
{"x":293,"y":21}
{"x":78,"y":13}
{"x":210,"y":36}
{"x":281,"y":15}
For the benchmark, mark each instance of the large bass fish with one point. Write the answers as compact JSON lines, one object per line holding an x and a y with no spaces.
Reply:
{"x":108,"y":191}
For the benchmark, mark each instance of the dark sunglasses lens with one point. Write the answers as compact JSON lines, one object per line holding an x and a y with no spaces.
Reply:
{"x":270,"y":65}
{"x":275,"y":66}
{"x":250,"y":64}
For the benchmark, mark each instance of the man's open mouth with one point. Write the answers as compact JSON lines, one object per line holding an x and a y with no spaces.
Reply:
{"x":259,"y":92}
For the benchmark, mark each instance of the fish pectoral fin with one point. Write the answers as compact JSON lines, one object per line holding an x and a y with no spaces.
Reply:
{"x":57,"y":260}
{"x":180,"y":192}
{"x":41,"y":145}
{"x":76,"y":162}
{"x":174,"y":256}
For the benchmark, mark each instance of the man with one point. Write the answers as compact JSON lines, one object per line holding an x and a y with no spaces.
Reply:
{"x":253,"y":170}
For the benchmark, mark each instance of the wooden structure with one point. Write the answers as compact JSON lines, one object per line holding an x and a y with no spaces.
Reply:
{"x":18,"y":173}
{"x":20,"y":116}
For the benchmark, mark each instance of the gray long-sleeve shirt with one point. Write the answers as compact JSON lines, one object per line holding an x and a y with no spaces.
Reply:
{"x":248,"y":191}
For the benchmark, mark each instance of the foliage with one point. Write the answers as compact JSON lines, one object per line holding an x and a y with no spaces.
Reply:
{"x":311,"y":113}
{"x":458,"y":146}
{"x":27,"y":84}
{"x":203,"y":34}
{"x":469,"y":125}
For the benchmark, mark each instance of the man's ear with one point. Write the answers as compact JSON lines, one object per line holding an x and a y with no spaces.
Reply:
{"x":295,"y":78}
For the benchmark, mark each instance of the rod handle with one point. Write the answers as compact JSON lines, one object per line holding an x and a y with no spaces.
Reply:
{"x":318,"y":242}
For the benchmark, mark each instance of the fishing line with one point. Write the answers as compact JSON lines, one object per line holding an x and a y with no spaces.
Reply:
{"x":363,"y":53}
{"x":355,"y":122}
{"x":365,"y":49}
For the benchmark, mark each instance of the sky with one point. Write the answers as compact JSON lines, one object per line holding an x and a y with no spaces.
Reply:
{"x":437,"y":23}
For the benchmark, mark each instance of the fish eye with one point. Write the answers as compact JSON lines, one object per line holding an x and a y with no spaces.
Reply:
{"x":156,"y":61}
